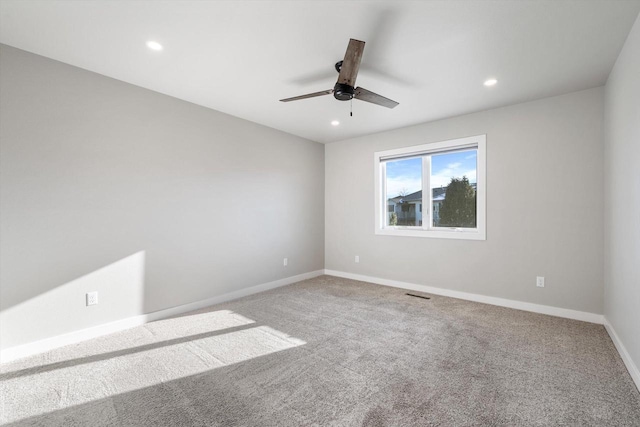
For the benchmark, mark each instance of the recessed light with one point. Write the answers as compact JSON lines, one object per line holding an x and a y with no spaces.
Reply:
{"x":154,"y":45}
{"x":335,"y":123}
{"x":490,"y":82}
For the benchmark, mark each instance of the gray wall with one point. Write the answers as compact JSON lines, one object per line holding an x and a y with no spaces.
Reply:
{"x":544,"y":206}
{"x":622,"y":196}
{"x":150,"y":200}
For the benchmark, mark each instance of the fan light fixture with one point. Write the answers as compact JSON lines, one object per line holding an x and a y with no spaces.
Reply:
{"x":154,"y":45}
{"x":490,"y":82}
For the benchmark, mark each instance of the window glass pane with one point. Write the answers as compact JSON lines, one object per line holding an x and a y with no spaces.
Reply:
{"x":404,"y":192}
{"x":453,"y":186}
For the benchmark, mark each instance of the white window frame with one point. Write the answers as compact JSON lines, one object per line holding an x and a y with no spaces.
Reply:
{"x":478,"y":142}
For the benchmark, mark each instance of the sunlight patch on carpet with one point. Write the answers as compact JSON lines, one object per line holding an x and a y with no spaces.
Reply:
{"x":48,"y":391}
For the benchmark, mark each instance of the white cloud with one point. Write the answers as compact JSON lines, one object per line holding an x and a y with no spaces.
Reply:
{"x":443,"y":178}
{"x":471,"y":156}
{"x":397,"y":184}
{"x":453,"y":170}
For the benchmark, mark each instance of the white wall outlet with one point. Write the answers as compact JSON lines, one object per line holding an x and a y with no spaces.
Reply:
{"x":285,"y":262}
{"x":92,"y":298}
{"x":357,"y":258}
{"x":540,"y":282}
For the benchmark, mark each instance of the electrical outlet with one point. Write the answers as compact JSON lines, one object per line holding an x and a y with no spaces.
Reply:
{"x":357,"y":258}
{"x":540,"y":282}
{"x":92,"y":298}
{"x":285,"y":262}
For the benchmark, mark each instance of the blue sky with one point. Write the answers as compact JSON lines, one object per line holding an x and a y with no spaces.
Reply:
{"x":407,"y":174}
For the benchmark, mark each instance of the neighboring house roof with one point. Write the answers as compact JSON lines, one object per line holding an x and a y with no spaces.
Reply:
{"x":413,"y":197}
{"x":438,"y":195}
{"x":417,"y":196}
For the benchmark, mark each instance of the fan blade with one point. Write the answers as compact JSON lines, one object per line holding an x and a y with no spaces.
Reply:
{"x":364,"y":95}
{"x":309,"y":95}
{"x":351,"y":62}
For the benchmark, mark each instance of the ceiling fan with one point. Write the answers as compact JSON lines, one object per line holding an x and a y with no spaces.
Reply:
{"x":344,"y":89}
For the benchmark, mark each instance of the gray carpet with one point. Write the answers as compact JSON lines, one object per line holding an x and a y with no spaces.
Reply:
{"x":330,"y":351}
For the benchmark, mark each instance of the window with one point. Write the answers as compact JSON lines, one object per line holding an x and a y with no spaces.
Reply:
{"x":451,"y":174}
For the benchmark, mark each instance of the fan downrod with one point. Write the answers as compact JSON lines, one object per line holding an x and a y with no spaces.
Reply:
{"x":341,"y":91}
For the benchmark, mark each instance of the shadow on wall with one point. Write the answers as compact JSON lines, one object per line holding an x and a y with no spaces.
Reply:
{"x":62,"y":309}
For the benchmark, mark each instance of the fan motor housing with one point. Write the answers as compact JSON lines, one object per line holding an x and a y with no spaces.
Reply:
{"x":343,"y":92}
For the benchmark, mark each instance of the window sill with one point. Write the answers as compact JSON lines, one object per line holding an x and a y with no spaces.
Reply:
{"x":434,"y":234}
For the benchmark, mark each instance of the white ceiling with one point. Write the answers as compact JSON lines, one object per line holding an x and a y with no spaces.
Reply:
{"x":241,"y":57}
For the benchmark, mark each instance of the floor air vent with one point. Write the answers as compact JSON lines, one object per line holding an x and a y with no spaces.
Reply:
{"x":418,"y":296}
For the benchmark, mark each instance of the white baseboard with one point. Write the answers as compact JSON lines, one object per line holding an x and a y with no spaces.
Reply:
{"x":502,"y":302}
{"x":624,"y":354}
{"x":47,"y":344}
